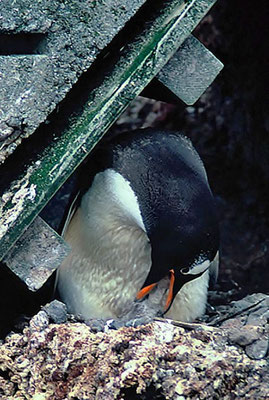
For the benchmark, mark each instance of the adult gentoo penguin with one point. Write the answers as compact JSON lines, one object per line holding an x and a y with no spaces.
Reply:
{"x":146,"y":216}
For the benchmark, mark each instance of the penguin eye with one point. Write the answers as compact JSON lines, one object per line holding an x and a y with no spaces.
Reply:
{"x":196,"y":269}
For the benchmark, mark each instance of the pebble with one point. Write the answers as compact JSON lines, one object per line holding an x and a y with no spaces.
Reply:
{"x":57,"y":311}
{"x":258,"y":349}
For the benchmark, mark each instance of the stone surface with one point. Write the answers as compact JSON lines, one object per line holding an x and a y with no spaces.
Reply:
{"x":37,"y":253}
{"x":71,"y":35}
{"x":251,"y":310}
{"x":258,"y":349}
{"x":247,"y":324}
{"x":243,"y":336}
{"x":154,"y":361}
{"x":190,"y":71}
{"x":57,"y":311}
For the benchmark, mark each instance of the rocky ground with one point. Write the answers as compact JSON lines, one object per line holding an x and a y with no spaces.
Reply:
{"x":160,"y":360}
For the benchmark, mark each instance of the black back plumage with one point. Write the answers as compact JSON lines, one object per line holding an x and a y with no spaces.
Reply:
{"x":170,"y":182}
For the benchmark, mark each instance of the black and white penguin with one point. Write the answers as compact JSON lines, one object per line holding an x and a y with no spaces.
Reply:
{"x":146,"y":216}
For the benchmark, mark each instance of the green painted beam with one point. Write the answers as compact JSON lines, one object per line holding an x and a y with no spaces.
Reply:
{"x":139,"y":62}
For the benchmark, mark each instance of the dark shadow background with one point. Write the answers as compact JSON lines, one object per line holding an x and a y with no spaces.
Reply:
{"x":229,"y":126}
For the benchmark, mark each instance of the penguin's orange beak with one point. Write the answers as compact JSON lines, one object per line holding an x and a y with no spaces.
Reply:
{"x":171,"y":289}
{"x":147,"y":289}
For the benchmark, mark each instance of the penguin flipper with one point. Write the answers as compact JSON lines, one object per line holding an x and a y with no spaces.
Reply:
{"x":64,"y":225}
{"x":71,"y":211}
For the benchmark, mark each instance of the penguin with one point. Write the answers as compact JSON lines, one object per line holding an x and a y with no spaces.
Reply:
{"x":144,"y":220}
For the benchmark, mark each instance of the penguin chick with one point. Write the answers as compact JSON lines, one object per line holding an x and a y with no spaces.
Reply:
{"x":144,"y":229}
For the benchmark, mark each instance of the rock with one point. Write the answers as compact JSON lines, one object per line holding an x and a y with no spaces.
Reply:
{"x":252,"y":310}
{"x":244,"y":336}
{"x":57,"y":311}
{"x":66,"y":38}
{"x":162,"y":359}
{"x":158,"y":360}
{"x":39,"y":322}
{"x":258,"y":349}
{"x":246,"y":324}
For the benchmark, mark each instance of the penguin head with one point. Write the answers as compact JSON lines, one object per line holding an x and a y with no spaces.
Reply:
{"x":183,"y":234}
{"x":184,"y":246}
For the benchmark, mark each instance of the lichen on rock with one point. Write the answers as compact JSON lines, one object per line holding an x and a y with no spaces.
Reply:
{"x":154,"y":361}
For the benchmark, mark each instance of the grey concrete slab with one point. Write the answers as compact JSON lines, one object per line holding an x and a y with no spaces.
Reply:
{"x":190,"y":71}
{"x":37,"y":254}
{"x":35,"y":76}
